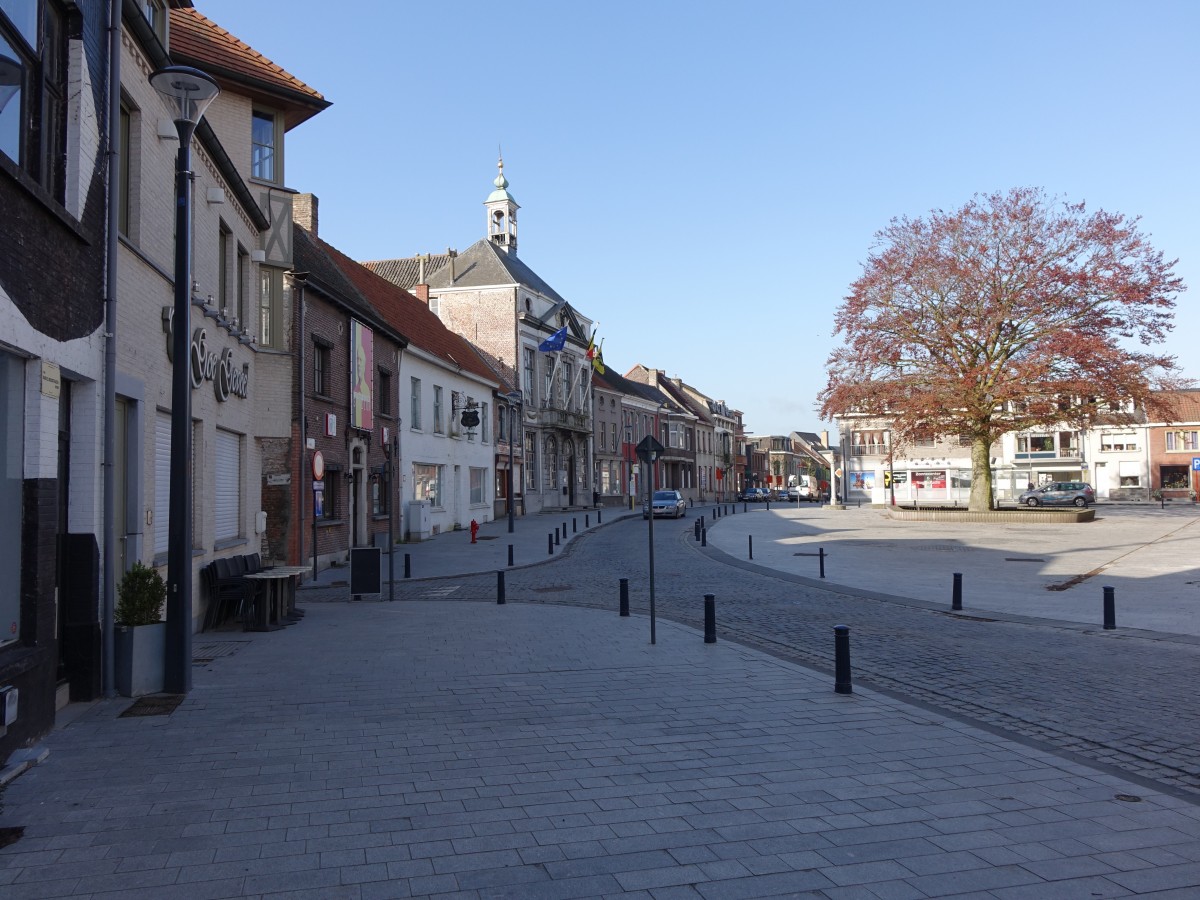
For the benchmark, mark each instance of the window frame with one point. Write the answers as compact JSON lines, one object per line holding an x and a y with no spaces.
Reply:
{"x":477,"y":492}
{"x":322,"y":361}
{"x":437,"y":410}
{"x":384,"y":393}
{"x":260,"y":113}
{"x":414,"y":401}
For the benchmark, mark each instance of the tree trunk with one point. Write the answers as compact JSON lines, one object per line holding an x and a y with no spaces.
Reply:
{"x":981,"y":475}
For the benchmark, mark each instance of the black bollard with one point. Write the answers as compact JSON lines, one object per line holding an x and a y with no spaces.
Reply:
{"x":750,"y":539}
{"x":574,"y":525}
{"x":1110,"y":608}
{"x":703,"y":537}
{"x":407,"y":565}
{"x":841,"y":665}
{"x":587,"y":521}
{"x":500,"y":587}
{"x":691,"y":502}
{"x":956,"y":597}
{"x":550,"y":543}
{"x":598,"y":519}
{"x":696,"y":529}
{"x":821,"y":559}
{"x":557,"y":540}
{"x":624,"y":596}
{"x":564,"y":530}
{"x":744,"y":507}
{"x":510,"y":556}
{"x":702,"y":523}
{"x":710,"y":618}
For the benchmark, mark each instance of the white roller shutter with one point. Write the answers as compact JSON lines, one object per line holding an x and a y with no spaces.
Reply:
{"x":228,"y":483}
{"x":162,"y":480}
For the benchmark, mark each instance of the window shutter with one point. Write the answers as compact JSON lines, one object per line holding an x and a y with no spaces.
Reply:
{"x":162,"y":480}
{"x":228,"y":480}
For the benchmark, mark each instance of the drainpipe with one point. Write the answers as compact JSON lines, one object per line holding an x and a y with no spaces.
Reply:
{"x":108,"y":542}
{"x":299,"y":280}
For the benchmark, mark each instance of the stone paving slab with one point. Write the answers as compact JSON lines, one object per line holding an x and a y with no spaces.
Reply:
{"x":1149,"y":555}
{"x":478,"y":750}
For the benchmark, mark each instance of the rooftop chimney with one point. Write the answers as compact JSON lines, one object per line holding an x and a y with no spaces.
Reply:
{"x":824,"y":438}
{"x":304,"y":212}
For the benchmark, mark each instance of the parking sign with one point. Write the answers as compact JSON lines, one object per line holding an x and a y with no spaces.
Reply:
{"x":1196,"y":463}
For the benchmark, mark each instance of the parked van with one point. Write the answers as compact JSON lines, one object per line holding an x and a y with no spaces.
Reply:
{"x":808,"y":487}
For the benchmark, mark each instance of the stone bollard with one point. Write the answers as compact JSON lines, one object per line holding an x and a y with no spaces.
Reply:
{"x":956,"y":596}
{"x":1110,"y":608}
{"x":624,"y":596}
{"x":841,"y":665}
{"x":500,"y":588}
{"x":710,"y":618}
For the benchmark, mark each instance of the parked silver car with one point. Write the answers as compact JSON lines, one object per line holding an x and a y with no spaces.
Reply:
{"x":666,"y":503}
{"x":1059,"y":493}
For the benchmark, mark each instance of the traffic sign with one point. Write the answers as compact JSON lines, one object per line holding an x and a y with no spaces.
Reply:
{"x":1196,"y":463}
{"x":648,"y":448}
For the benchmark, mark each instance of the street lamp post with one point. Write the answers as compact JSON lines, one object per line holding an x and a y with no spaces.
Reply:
{"x":189,"y":91}
{"x":512,"y":397}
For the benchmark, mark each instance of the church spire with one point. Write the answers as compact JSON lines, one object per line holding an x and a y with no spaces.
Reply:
{"x":502,"y":214}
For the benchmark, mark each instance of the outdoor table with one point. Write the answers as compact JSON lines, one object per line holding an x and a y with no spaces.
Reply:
{"x":279,"y":589}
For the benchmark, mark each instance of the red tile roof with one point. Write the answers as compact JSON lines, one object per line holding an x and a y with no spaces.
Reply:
{"x":410,"y":316}
{"x":1186,"y":406}
{"x":200,"y":40}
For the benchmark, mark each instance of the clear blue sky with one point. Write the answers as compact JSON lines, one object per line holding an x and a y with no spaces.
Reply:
{"x":705,"y":179}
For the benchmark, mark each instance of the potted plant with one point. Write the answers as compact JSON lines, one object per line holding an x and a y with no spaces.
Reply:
{"x":140,"y":645}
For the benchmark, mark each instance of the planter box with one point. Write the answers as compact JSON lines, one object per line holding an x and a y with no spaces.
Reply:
{"x":140,"y":654}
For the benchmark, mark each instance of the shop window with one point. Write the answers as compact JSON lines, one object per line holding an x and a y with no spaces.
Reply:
{"x":1174,"y":478}
{"x":427,"y":483}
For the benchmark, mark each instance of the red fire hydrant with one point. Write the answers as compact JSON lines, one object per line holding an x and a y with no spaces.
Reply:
{"x":474,"y":530}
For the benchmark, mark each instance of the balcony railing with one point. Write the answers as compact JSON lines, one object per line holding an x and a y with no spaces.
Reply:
{"x":868,"y":449}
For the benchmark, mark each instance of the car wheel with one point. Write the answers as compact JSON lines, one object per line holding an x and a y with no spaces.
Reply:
{"x":1032,"y":501}
{"x":1081,"y":502}
{"x":682,"y":512}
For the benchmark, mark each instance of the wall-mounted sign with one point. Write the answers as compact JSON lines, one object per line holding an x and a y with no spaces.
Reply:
{"x":205,"y":365}
{"x":330,"y":425}
{"x":51,"y":379}
{"x":318,"y":465}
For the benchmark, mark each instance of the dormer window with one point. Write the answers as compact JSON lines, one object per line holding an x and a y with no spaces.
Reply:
{"x":264,"y":147}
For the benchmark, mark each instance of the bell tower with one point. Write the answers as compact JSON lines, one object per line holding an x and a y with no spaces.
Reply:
{"x":502,"y":214}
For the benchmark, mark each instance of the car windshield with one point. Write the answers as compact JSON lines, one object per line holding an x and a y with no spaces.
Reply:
{"x":664,"y":495}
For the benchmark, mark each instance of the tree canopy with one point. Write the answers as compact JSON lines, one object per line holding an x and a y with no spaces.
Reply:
{"x":1016,"y":311}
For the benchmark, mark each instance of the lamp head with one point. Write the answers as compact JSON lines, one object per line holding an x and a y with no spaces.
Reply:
{"x":188,"y":90}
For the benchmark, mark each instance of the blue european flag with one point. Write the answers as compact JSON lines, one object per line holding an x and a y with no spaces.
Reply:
{"x":555,"y":342}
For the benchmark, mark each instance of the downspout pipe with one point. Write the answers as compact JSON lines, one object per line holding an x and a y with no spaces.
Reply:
{"x":108,"y":543}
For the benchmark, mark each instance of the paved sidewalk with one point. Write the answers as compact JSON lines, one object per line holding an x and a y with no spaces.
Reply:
{"x":475,"y":750}
{"x":452,"y":553}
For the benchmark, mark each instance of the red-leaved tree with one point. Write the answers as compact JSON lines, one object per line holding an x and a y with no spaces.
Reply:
{"x":1016,"y":311}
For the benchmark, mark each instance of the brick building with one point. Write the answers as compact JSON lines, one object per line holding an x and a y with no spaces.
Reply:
{"x":239,"y":323}
{"x":442,"y":464}
{"x":55,"y":71}
{"x":491,"y":297}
